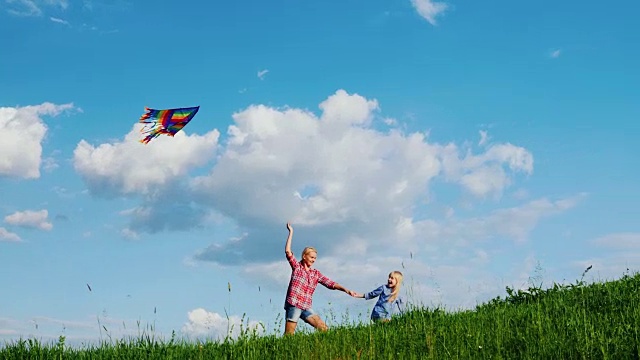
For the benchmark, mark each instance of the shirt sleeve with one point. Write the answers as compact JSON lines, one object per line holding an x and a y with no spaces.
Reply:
{"x":374,"y":293}
{"x":292,"y":260}
{"x":328,"y":283}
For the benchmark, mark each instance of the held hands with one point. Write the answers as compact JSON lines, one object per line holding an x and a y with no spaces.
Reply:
{"x":354,"y":294}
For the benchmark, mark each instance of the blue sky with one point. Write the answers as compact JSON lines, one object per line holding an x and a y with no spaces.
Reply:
{"x":471,"y":145}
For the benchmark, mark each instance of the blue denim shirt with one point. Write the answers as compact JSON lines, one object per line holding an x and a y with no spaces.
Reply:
{"x":383,"y":308}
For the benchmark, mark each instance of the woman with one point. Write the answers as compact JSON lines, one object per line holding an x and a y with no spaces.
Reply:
{"x":302,"y":284}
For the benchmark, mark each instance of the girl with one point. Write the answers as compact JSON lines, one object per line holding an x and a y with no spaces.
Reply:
{"x":388,"y":299}
{"x":302,"y":284}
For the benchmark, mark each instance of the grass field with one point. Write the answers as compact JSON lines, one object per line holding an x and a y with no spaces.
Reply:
{"x":576,"y":321}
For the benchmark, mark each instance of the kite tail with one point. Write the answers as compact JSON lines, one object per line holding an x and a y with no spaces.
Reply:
{"x":153,"y":133}
{"x":151,"y":116}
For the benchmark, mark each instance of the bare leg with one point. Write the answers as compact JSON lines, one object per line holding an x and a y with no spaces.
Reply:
{"x":289,"y":327}
{"x":316,"y":322}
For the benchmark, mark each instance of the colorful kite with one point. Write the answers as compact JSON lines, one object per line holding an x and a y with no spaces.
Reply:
{"x":167,"y":122}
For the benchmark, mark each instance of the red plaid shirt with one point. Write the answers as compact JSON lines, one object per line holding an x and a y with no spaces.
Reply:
{"x":303,"y":283}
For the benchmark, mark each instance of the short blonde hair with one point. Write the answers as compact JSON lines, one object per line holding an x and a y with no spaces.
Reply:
{"x":308,"y":249}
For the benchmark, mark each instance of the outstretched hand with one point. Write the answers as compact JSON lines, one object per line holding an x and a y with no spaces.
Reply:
{"x":289,"y":227}
{"x":353,"y":293}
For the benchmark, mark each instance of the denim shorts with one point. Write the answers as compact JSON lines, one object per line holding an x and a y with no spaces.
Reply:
{"x":293,"y":313}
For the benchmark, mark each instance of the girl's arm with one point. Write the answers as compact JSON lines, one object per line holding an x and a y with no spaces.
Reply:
{"x":372,"y":294}
{"x":287,"y":247}
{"x":342,"y":288}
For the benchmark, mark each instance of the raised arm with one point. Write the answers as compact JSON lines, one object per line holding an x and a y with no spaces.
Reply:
{"x":287,"y":247}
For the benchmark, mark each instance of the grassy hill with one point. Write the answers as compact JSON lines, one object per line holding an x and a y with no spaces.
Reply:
{"x":576,"y":321}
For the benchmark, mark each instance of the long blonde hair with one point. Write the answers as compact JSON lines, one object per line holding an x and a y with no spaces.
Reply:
{"x":396,"y":289}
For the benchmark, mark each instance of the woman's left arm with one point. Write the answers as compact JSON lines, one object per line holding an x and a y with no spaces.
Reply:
{"x":337,"y":286}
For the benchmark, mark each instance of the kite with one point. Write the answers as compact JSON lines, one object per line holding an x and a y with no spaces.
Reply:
{"x":168,"y":121}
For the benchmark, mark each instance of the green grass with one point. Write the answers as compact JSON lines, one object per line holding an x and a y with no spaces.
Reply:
{"x":576,"y":321}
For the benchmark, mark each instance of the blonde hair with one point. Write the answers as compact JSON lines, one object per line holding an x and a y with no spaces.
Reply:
{"x":307,"y":250}
{"x":396,"y":289}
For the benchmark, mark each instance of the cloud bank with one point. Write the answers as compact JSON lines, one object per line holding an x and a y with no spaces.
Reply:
{"x":30,"y":219}
{"x":22,"y":131}
{"x":354,"y":185}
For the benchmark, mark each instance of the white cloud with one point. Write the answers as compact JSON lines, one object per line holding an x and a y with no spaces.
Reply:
{"x":484,"y":137}
{"x":343,"y":167}
{"x":485,"y":180}
{"x":555,"y":53}
{"x":342,"y":109}
{"x":151,"y":216}
{"x":59,"y":3}
{"x":6,"y":235}
{"x":391,"y":121}
{"x":356,"y":193}
{"x":24,"y":8}
{"x":129,"y":234}
{"x":445,"y":262}
{"x":262,"y":73}
{"x":49,"y":164}
{"x":341,"y":180}
{"x":429,"y":9}
{"x":22,"y":131}
{"x":619,"y":241}
{"x":352,"y":191}
{"x":203,"y":323}
{"x":272,"y":274}
{"x":155,"y":171}
{"x":617,"y":254}
{"x":34,"y":7}
{"x":513,"y":223}
{"x":486,"y":174}
{"x":608,"y":266}
{"x":30,"y":219}
{"x":59,"y":21}
{"x":453,"y":279}
{"x":128,"y":167}
{"x":520,"y":194}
